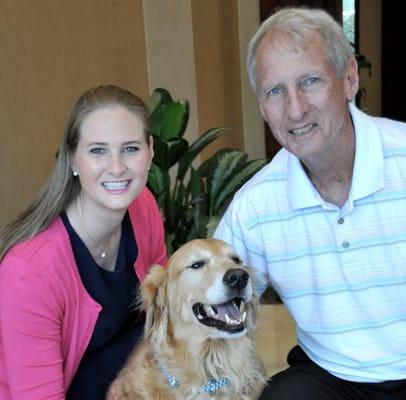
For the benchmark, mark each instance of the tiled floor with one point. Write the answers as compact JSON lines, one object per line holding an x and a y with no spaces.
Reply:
{"x":275,"y":336}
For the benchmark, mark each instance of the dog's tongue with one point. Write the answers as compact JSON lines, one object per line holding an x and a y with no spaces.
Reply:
{"x":228,"y":308}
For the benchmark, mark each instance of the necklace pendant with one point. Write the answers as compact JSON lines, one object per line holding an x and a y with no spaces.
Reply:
{"x":103,"y":254}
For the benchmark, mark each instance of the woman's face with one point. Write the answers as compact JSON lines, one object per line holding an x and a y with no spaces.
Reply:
{"x":112,"y":159}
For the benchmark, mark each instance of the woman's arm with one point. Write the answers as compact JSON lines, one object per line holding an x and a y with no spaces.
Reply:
{"x":30,"y":332}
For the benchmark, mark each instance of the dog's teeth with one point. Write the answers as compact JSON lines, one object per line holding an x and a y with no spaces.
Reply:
{"x":244,"y":316}
{"x":210,"y":311}
{"x":242,"y":306}
{"x":199,"y":316}
{"x":230,"y":321}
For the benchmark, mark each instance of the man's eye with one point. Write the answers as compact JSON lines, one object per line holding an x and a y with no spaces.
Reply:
{"x":197,"y":265}
{"x":131,"y":149}
{"x":309,"y":82}
{"x":97,"y":150}
{"x":273,"y":92}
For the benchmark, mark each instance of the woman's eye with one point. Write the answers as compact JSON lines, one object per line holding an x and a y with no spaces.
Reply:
{"x":130,"y":149}
{"x":197,"y":265}
{"x":97,"y":150}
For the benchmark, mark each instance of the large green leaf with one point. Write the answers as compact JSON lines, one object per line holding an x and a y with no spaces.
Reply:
{"x":212,"y":224}
{"x":195,"y":186}
{"x":159,"y":182}
{"x":185,"y":202}
{"x":207,"y":167}
{"x":177,"y":148}
{"x":168,"y":118}
{"x":175,"y":116}
{"x":236,"y":182}
{"x":158,"y":97}
{"x":161,"y":150}
{"x":157,"y":105}
{"x":203,"y":141}
{"x":227,"y":165}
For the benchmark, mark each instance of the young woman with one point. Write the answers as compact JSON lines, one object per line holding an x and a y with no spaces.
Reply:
{"x":72,"y":261}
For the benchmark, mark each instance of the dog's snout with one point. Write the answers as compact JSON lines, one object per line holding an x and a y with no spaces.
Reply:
{"x":236,"y":278}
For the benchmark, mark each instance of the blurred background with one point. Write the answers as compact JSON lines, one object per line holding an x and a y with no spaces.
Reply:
{"x":53,"y":50}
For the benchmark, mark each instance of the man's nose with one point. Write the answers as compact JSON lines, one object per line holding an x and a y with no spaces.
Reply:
{"x":297,"y":104}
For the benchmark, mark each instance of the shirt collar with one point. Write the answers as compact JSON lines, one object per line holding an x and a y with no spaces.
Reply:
{"x":368,"y":167}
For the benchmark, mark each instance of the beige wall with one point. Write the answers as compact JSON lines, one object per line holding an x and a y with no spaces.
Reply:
{"x":218,"y":81}
{"x":170,"y":53}
{"x":253,"y":124}
{"x":52,"y":50}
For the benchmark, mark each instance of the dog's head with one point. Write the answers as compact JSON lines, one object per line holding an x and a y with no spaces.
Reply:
{"x":205,"y":292}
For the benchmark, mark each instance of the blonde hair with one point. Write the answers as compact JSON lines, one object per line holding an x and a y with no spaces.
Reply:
{"x":298,"y":23}
{"x":62,"y":187}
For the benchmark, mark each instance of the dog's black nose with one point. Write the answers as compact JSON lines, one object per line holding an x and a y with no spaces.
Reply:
{"x":236,"y":278}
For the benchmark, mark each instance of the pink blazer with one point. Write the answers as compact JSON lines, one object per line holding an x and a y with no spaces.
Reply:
{"x":46,"y":315}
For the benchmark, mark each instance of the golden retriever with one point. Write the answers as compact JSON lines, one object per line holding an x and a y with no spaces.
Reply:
{"x":198,"y":339}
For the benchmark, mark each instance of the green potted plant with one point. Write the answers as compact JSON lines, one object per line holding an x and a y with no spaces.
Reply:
{"x":192,"y":199}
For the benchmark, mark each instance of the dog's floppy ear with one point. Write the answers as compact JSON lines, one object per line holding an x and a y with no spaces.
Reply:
{"x":155,"y":304}
{"x":251,"y":308}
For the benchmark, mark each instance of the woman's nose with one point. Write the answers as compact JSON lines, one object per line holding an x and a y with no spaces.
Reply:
{"x":117,"y":165}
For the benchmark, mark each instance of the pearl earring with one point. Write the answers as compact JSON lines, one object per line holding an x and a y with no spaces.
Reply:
{"x":74,"y":173}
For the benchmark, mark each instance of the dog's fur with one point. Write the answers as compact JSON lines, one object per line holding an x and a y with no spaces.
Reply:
{"x":174,"y":337}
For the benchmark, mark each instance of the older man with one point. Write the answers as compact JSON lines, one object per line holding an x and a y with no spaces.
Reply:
{"x":325,"y":221}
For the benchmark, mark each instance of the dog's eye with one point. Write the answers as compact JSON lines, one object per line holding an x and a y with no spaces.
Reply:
{"x":197,"y":265}
{"x":236,"y":259}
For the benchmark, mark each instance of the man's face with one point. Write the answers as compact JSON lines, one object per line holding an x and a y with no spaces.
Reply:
{"x":302,"y":98}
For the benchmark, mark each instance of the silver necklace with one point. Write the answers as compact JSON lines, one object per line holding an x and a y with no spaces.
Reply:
{"x":103,"y":254}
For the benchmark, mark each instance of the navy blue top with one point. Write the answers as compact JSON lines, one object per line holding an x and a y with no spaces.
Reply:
{"x":119,"y":326}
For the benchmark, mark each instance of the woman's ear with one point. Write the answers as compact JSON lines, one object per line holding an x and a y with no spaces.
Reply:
{"x":72,"y":164}
{"x":151,"y":146}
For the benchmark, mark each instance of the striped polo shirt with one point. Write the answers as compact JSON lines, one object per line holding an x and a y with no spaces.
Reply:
{"x":341,"y":273}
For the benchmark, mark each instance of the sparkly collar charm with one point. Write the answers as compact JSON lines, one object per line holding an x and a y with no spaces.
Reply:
{"x":211,"y":386}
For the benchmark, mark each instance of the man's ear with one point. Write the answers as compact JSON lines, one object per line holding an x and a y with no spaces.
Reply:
{"x":262,"y":111}
{"x":351,"y":79}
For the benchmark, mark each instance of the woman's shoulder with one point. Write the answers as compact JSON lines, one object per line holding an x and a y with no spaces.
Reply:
{"x":51,"y":243}
{"x":144,"y":206}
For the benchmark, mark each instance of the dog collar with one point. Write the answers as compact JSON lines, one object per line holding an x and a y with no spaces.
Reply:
{"x":211,"y":386}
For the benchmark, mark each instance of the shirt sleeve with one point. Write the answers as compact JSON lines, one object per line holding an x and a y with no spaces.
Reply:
{"x":246,"y":241}
{"x":30,"y":332}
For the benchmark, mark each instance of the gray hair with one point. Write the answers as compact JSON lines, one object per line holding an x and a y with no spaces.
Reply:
{"x":298,"y":24}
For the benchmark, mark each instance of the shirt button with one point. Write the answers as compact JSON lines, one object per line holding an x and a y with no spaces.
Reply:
{"x":346,"y":245}
{"x":340,"y":221}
